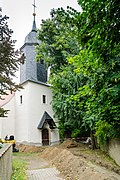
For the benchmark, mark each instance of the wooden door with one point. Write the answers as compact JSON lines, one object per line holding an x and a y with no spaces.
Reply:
{"x":45,"y":137}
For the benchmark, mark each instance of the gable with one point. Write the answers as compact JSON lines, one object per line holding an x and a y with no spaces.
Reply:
{"x":46,"y":118}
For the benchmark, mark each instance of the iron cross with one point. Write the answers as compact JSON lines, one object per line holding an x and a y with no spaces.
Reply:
{"x":34,"y":6}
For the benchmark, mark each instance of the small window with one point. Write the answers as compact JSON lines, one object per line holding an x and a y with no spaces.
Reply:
{"x":44,"y":99}
{"x":21,"y":100}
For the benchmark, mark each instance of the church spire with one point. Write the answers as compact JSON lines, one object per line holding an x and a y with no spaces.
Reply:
{"x":34,"y":14}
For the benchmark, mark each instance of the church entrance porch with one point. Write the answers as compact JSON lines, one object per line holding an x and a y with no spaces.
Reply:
{"x":45,"y":137}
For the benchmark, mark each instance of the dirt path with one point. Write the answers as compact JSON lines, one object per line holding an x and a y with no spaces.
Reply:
{"x":35,"y":162}
{"x":39,"y":168}
{"x":78,"y":163}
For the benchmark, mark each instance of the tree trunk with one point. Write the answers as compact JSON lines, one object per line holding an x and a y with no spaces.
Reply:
{"x":93,"y":141}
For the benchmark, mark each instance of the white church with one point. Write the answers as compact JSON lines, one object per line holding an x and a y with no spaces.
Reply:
{"x":30,"y":118}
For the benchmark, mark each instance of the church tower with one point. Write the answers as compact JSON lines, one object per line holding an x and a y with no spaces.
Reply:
{"x":29,"y":68}
{"x":31,"y":118}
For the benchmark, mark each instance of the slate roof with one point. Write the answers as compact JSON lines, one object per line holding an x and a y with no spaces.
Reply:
{"x":46,"y":118}
{"x":31,"y":38}
{"x":30,"y":69}
{"x":34,"y":26}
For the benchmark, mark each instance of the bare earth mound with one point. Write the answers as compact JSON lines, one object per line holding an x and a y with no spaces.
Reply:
{"x":77,"y":162}
{"x":80,"y":167}
{"x":30,"y":149}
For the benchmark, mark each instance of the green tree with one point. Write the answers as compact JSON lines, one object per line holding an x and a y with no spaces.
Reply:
{"x":99,"y":61}
{"x":65,"y":103}
{"x":58,"y":40}
{"x":96,"y":66}
{"x":8,"y":60}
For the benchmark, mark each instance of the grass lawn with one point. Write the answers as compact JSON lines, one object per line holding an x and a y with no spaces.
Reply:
{"x":19,"y":167}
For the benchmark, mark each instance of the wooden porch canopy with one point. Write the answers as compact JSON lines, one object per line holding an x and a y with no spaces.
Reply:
{"x":46,"y":118}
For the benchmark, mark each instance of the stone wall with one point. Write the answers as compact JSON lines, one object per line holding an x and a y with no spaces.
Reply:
{"x":114,"y":150}
{"x":6,"y":162}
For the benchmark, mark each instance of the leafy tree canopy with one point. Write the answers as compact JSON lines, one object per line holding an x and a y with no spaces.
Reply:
{"x":58,"y":40}
{"x":100,"y":61}
{"x":8,"y":59}
{"x":95,"y":96}
{"x":65,"y":87}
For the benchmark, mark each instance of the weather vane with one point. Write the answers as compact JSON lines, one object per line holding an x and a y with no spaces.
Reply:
{"x":34,"y":14}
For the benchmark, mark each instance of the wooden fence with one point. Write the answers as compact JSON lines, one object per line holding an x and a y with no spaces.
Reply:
{"x":6,"y":162}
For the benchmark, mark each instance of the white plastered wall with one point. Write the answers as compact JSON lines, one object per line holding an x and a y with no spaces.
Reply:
{"x":23,"y":119}
{"x":7,"y":124}
{"x":30,"y":112}
{"x":22,"y":114}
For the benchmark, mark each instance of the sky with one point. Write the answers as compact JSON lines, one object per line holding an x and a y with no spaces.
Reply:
{"x":20,"y":13}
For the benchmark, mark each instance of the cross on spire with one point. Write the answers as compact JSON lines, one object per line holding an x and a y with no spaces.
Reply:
{"x":34,"y":14}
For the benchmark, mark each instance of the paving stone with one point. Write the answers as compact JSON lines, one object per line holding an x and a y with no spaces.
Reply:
{"x":44,"y":174}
